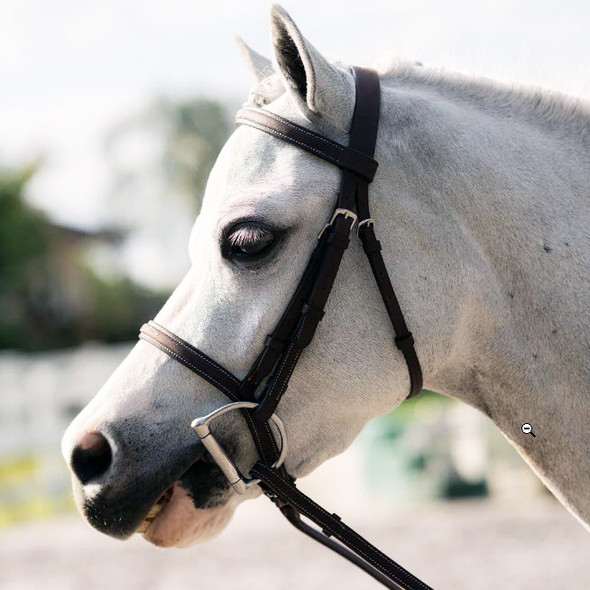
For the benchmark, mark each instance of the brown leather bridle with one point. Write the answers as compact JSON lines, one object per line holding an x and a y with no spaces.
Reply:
{"x":259,"y":393}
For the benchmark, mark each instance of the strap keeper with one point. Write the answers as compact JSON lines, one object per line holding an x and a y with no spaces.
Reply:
{"x":338,"y":241}
{"x":315,"y":314}
{"x":335,"y":517}
{"x":371,"y":246}
{"x":311,"y":316}
{"x":274,"y":344}
{"x":404,"y":341}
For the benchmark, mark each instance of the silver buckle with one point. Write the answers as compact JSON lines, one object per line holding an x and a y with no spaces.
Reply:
{"x":239,"y":482}
{"x":348,"y":214}
{"x":367,"y":222}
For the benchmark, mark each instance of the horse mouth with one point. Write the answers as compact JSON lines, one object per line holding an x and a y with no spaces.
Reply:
{"x":194,"y":508}
{"x":155,"y":510}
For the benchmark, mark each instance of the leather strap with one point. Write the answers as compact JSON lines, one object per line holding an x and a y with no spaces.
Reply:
{"x":198,"y":362}
{"x":342,"y":156}
{"x":354,"y":192}
{"x":367,"y":118}
{"x":192,"y":358}
{"x":335,"y":243}
{"x":404,"y":340}
{"x":331,"y":525}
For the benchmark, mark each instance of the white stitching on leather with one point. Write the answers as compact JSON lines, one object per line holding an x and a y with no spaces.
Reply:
{"x":206,"y":376}
{"x":271,"y":394}
{"x":183,"y":361}
{"x":291,"y":140}
{"x":254,"y":431}
{"x":289,"y":373}
{"x":297,"y":127}
{"x":287,"y":491}
{"x":195,"y":351}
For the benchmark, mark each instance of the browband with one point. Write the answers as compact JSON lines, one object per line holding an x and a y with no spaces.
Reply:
{"x":342,"y":156}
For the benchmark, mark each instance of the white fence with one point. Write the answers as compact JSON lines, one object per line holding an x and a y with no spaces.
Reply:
{"x":41,"y":393}
{"x":39,"y":396}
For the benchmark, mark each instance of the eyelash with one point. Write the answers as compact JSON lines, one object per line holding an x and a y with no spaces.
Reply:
{"x":245,"y":235}
{"x":248,"y":231}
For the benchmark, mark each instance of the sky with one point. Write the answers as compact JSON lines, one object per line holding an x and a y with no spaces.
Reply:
{"x":71,"y":70}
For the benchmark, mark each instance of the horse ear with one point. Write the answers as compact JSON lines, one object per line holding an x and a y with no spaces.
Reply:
{"x":317,"y":87}
{"x":259,"y":66}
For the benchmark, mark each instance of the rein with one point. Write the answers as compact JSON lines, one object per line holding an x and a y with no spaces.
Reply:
{"x":259,"y":393}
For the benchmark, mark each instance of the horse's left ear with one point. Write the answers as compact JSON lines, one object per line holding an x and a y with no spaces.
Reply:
{"x":259,"y":66}
{"x":317,"y":87}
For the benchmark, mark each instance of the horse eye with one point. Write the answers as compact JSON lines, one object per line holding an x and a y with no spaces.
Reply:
{"x":248,"y":241}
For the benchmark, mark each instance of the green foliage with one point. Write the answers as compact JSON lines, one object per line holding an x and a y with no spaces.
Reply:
{"x":23,"y":238}
{"x":197,"y":130}
{"x":23,"y":242}
{"x":119,"y":308}
{"x":48,"y":295}
{"x":409,"y":408}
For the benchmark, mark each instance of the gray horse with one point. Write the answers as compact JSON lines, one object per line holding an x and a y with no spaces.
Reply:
{"x":483,"y":205}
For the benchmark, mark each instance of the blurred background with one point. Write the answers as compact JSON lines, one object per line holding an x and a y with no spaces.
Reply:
{"x":111,"y":115}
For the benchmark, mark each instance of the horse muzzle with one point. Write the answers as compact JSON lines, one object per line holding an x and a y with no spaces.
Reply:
{"x":124,"y":484}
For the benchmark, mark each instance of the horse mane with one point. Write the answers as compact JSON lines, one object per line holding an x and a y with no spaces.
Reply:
{"x":553,"y":108}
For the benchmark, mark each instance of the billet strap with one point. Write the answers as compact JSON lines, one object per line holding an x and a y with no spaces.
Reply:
{"x":404,"y":340}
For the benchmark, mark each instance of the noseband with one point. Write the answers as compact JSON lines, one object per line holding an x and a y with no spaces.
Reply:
{"x":259,"y":393}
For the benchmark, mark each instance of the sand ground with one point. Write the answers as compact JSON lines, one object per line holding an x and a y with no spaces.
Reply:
{"x":475,"y":545}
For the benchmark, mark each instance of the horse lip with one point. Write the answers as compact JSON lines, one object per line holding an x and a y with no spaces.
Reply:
{"x":156,"y":509}
{"x":210,"y":495}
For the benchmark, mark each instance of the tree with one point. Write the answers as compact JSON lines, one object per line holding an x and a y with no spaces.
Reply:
{"x":50,"y":296}
{"x":160,"y":162}
{"x":23,"y":242}
{"x":23,"y":238}
{"x":195,"y":133}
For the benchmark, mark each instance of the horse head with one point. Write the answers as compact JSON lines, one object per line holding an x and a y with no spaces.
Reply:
{"x":136,"y":463}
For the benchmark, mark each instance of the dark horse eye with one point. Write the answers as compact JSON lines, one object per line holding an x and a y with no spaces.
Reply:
{"x":248,"y":241}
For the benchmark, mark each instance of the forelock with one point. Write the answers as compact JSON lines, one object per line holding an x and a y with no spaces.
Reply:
{"x":266,"y":90}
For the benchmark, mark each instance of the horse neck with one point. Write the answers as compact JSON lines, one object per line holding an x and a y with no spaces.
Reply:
{"x":485,"y":214}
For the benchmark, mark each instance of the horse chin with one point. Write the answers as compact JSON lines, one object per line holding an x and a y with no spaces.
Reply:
{"x":181,"y":524}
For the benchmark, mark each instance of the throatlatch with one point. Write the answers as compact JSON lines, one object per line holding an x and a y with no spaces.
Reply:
{"x":295,"y":330}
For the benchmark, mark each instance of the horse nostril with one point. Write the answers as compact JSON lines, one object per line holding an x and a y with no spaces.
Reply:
{"x":91,"y":457}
